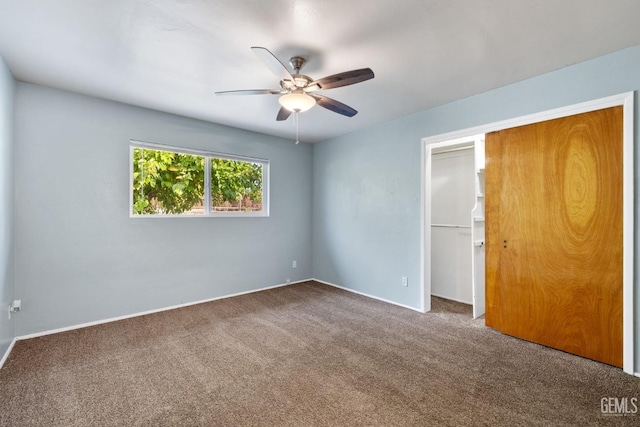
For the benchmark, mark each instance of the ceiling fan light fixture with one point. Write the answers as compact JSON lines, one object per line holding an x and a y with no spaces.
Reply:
{"x":297,"y":102}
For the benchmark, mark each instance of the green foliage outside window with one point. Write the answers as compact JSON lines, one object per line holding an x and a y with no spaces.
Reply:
{"x":172,"y":183}
{"x":166,"y":182}
{"x":236,"y":183}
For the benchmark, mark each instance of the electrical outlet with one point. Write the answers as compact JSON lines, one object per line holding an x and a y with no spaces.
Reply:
{"x":295,"y":264}
{"x":405,"y":281}
{"x":14,"y":307}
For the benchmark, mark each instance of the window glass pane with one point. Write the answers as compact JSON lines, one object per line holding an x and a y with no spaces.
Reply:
{"x":167,"y":183}
{"x":236,"y":186}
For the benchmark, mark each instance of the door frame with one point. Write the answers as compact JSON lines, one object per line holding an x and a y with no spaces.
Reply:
{"x":626,"y":100}
{"x":429,"y":151}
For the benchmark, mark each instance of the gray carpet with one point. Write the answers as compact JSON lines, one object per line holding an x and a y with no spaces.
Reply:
{"x":303,"y":355}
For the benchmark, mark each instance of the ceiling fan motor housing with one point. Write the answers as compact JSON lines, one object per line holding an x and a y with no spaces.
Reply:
{"x":300,"y":81}
{"x":297,"y":62}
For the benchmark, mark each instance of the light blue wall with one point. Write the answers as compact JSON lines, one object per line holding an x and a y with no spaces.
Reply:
{"x":366,"y":185}
{"x":6,"y":205}
{"x":79,"y":257}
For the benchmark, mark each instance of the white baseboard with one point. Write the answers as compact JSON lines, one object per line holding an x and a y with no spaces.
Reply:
{"x":368,"y":296}
{"x":6,"y":353}
{"x":452,"y":299}
{"x":115,"y":319}
{"x":173,"y":307}
{"x":144,"y":313}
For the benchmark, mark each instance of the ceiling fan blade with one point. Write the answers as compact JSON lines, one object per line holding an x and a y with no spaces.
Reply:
{"x":335,"y":106}
{"x":251,"y":92}
{"x":283,"y":114}
{"x":341,"y":79}
{"x":273,"y":63}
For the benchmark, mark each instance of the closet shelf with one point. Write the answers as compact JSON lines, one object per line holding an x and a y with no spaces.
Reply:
{"x":478,"y":219}
{"x":450,"y":226}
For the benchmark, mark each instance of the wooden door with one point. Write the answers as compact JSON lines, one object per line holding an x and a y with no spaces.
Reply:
{"x":554,"y":233}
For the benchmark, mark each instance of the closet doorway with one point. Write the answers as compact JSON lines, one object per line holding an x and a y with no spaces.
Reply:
{"x":455,"y":182}
{"x":626,"y":100}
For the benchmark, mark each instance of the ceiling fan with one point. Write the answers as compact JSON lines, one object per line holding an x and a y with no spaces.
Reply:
{"x":298,"y":91}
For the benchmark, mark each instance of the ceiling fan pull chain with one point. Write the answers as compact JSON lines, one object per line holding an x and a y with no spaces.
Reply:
{"x":295,"y":121}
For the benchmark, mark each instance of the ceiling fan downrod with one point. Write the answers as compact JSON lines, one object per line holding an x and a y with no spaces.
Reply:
{"x":297,"y":62}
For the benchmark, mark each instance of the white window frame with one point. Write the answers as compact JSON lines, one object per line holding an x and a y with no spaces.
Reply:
{"x":208,"y":155}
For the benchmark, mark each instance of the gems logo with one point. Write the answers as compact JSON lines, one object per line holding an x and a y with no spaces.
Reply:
{"x":619,"y":406}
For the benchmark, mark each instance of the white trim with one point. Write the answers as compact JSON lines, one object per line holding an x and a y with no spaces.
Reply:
{"x":130,"y":181}
{"x":367,"y":295}
{"x":453,"y":299}
{"x":266,"y":189}
{"x":465,"y":142}
{"x":584,"y":107}
{"x":207,"y":186}
{"x":628,"y":233}
{"x":211,"y":215}
{"x":627,"y":101}
{"x":184,"y":150}
{"x":144,"y":313}
{"x":115,"y":319}
{"x":6,"y":353}
{"x":425,"y":263}
{"x":173,"y":307}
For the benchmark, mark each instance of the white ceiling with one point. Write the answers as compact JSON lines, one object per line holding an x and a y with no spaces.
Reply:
{"x":172,"y":55}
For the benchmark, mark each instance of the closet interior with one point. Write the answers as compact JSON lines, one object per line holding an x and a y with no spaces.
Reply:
{"x":457,"y":221}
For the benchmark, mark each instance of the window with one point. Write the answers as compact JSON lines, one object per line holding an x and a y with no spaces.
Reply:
{"x":168,"y":181}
